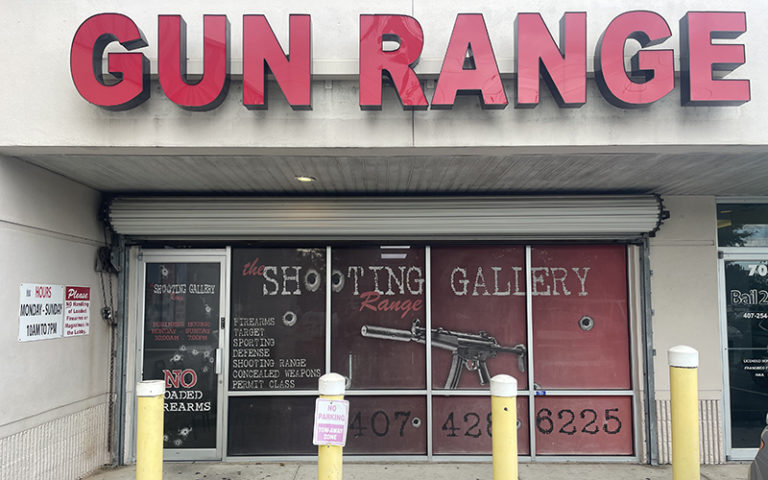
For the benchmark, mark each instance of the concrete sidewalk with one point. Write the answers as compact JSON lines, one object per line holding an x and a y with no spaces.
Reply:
{"x":419,"y":471}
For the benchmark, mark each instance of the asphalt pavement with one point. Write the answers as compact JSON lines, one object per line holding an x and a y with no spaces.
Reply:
{"x":421,"y":471}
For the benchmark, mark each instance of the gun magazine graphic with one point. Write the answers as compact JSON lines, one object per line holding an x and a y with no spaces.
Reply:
{"x":468,"y":350}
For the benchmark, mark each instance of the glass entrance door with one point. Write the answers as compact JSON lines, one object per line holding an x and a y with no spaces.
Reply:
{"x":183,"y":315}
{"x":745,"y":305}
{"x":742,"y":237}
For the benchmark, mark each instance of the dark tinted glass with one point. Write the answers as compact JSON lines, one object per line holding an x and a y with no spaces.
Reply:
{"x":746,"y":290}
{"x":271,"y":426}
{"x":277,"y":336}
{"x":742,"y":225}
{"x":181,"y":334}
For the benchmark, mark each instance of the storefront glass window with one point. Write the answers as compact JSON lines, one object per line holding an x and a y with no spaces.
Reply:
{"x":464,"y":311}
{"x":277,"y":336}
{"x":271,"y":425}
{"x":742,"y":225}
{"x":463,"y":425}
{"x":478,"y":316}
{"x":378,"y":317}
{"x":583,"y":425}
{"x":380,"y":425}
{"x":580,"y":317}
{"x":276,"y":344}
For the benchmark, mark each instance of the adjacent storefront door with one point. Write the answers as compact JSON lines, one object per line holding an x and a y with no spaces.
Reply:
{"x":744,"y":306}
{"x":742,"y":237}
{"x":184,"y":305}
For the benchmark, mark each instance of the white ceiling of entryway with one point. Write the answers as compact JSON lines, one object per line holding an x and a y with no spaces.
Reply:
{"x":666,"y":170}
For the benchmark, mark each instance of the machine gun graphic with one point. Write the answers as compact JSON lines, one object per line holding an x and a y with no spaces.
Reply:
{"x":471,"y":350}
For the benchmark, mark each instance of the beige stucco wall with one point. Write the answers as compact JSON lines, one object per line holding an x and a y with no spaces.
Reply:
{"x":684,"y":291}
{"x":49,"y":234}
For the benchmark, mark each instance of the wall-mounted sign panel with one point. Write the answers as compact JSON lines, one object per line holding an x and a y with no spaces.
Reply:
{"x":77,"y":308}
{"x":40,"y":312}
{"x":563,"y":65}
{"x":53,"y":311}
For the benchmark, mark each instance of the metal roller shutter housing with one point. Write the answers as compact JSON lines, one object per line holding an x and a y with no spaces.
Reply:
{"x":618,"y":217}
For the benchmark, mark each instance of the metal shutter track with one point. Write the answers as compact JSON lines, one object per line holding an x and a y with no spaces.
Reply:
{"x":383,"y":218}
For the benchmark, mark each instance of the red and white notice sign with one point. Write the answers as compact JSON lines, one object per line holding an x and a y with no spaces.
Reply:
{"x":40,"y":311}
{"x":77,"y":308}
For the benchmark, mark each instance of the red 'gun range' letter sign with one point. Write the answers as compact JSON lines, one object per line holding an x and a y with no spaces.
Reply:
{"x":564,"y":68}
{"x":655,"y":67}
{"x":210,"y":91}
{"x":293,"y":72}
{"x":699,"y":58}
{"x":469,"y":65}
{"x":397,"y":64}
{"x":130,"y":69}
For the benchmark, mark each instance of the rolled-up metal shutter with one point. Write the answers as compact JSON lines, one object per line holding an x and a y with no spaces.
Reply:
{"x":387,"y":218}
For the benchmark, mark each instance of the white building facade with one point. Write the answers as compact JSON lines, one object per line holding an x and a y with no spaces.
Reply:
{"x":556,"y":192}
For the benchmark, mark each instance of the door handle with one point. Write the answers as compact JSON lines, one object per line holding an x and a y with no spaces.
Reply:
{"x":218,"y":361}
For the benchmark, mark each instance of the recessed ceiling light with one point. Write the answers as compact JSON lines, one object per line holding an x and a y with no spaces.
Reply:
{"x":305,"y":178}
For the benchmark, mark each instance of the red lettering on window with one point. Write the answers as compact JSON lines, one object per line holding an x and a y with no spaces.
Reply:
{"x":180,"y":378}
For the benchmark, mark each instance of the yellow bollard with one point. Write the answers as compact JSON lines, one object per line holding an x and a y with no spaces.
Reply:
{"x":329,"y":457}
{"x":504,"y":421}
{"x":149,"y":430}
{"x":684,"y":390}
